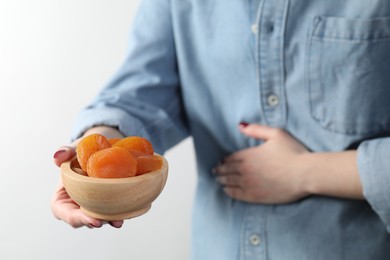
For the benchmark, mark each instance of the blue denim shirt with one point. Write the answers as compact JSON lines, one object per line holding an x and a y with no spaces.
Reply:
{"x":320,"y":69}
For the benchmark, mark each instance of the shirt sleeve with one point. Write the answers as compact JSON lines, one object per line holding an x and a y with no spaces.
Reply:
{"x":374,"y":170}
{"x":144,"y":97}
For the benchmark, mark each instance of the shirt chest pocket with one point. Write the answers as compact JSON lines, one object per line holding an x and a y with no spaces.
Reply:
{"x":348,"y":74}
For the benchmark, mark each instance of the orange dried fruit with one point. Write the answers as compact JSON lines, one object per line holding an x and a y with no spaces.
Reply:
{"x":113,"y":140}
{"x":114,"y":162}
{"x":148,"y":163}
{"x":100,"y":157}
{"x":88,"y":146}
{"x":136,"y":145}
{"x":75,"y":165}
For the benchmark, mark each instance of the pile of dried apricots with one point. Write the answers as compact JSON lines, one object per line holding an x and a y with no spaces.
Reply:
{"x":101,"y":157}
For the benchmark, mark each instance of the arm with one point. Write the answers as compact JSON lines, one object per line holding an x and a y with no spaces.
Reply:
{"x":142,"y":99}
{"x":374,"y":167}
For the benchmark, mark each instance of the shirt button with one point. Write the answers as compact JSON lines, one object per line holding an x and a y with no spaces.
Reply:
{"x":270,"y":28}
{"x":254,"y":28}
{"x":273,"y":100}
{"x":317,"y":20}
{"x":254,"y":239}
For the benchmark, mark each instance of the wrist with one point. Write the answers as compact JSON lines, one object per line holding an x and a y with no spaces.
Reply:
{"x":107,"y":131}
{"x":308,"y":182}
{"x":331,"y":174}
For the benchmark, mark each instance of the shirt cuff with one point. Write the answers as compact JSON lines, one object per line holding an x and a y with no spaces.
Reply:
{"x":374,"y":171}
{"x":108,"y":116}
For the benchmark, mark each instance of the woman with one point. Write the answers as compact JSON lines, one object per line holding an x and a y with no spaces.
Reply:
{"x":308,"y":177}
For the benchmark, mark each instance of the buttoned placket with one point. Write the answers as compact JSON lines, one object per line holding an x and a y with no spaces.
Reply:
{"x":269,"y":29}
{"x":269,"y":33}
{"x":253,"y":240}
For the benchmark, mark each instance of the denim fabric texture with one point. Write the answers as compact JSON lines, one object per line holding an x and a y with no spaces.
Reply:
{"x":319,"y":69}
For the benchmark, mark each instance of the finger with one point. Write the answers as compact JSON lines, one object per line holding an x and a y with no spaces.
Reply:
{"x":226,"y":168}
{"x":64,"y":208}
{"x":235,"y":192}
{"x":72,"y":215}
{"x":237,"y":157}
{"x":78,"y":219}
{"x":116,"y":223}
{"x":233,"y":180}
{"x":63,"y":154}
{"x":257,"y":131}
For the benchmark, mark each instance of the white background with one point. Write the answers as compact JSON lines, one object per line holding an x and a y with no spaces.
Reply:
{"x":54,"y":57}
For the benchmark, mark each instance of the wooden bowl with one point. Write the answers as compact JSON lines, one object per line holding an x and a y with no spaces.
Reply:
{"x":113,"y":199}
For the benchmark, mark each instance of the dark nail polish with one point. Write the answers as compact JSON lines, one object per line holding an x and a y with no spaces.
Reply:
{"x":58,"y":153}
{"x":244,"y":124}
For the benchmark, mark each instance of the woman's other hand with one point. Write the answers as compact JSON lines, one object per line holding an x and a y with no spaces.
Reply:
{"x":268,"y":173}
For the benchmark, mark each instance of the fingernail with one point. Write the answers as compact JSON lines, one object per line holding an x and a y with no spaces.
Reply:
{"x":58,"y":153}
{"x":93,"y":226}
{"x":243,"y":124}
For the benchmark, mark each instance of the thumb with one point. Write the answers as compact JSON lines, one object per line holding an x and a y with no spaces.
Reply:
{"x":63,"y":154}
{"x":257,"y":131}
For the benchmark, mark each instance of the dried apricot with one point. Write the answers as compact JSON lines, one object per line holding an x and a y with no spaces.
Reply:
{"x":75,"y":165}
{"x":113,"y":140}
{"x":114,"y":162}
{"x":88,"y":146}
{"x":136,"y":145}
{"x":101,"y":157}
{"x":148,"y":163}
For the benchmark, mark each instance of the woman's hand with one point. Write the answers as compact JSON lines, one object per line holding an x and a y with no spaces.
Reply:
{"x":63,"y":207}
{"x":268,"y":173}
{"x":282,"y":170}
